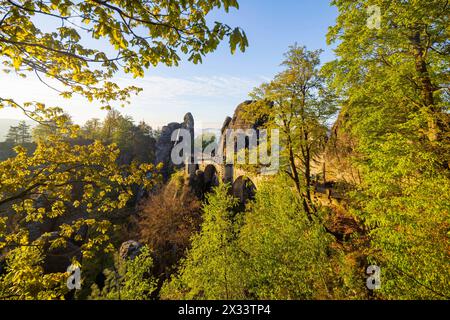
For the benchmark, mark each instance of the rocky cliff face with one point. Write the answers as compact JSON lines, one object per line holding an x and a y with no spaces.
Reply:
{"x":339,"y":152}
{"x":165,"y":144}
{"x":239,"y":121}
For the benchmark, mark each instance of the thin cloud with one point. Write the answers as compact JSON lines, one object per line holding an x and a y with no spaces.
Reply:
{"x":163,"y":99}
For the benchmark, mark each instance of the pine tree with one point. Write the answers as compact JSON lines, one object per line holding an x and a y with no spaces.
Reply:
{"x":13,"y":135}
{"x":23,"y":132}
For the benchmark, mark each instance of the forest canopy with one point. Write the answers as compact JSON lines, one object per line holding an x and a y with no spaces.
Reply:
{"x":363,"y":181}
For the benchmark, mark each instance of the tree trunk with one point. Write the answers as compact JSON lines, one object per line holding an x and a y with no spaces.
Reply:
{"x":426,"y":87}
{"x":295,"y":176}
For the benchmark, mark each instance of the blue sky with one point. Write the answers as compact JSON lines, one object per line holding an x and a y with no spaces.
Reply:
{"x":212,"y":90}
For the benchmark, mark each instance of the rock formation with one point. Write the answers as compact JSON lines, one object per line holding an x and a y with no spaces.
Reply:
{"x":129,"y":249}
{"x":239,"y":121}
{"x":338,"y":154}
{"x":164,"y":147}
{"x":165,"y":144}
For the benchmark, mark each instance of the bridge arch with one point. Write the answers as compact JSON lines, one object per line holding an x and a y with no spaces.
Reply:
{"x":211,"y":177}
{"x":244,"y":189}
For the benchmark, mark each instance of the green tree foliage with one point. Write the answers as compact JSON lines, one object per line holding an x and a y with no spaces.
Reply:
{"x":393,"y":81}
{"x":140,"y":33}
{"x":272,"y":251}
{"x":211,"y":269}
{"x":24,"y":277}
{"x":91,"y":129}
{"x":297,"y":103}
{"x":67,"y":176}
{"x":286,"y":256}
{"x":406,"y":58}
{"x":57,"y":125}
{"x":59,"y":179}
{"x":129,"y":280}
{"x":136,"y":142}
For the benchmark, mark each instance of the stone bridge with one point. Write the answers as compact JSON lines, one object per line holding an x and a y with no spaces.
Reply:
{"x":213,"y":171}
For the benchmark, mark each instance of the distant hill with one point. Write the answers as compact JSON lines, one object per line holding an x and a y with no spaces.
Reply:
{"x":5,"y":124}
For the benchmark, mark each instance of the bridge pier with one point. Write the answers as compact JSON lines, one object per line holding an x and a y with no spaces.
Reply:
{"x":190,"y":167}
{"x":228,"y":174}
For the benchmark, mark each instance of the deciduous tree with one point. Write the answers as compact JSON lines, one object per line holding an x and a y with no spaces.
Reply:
{"x":297,"y":103}
{"x":393,"y":82}
{"x":57,"y":179}
{"x":140,"y":34}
